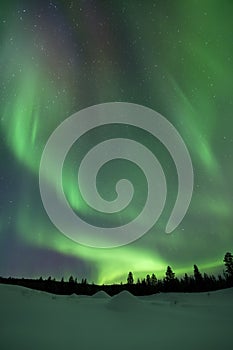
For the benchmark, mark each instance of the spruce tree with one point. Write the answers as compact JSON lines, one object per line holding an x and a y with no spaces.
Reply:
{"x":228,"y":261}
{"x":197,"y":277}
{"x":148,"y":280}
{"x":170,"y":275}
{"x":153,"y":280}
{"x":71,"y":279}
{"x":130,"y":279}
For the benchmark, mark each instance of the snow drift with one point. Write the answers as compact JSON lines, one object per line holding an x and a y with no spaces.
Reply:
{"x":36,"y":320}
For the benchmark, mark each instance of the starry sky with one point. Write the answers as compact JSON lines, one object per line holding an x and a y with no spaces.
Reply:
{"x":59,"y":57}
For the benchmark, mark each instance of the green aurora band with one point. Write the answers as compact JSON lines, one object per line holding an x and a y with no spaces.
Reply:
{"x":184,"y":62}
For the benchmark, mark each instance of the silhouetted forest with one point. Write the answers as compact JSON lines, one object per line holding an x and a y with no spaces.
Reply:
{"x":197,"y":282}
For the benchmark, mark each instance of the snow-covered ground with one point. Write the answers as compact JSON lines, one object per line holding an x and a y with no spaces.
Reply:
{"x":36,"y":320}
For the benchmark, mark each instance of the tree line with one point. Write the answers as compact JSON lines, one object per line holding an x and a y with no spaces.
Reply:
{"x":197,"y":282}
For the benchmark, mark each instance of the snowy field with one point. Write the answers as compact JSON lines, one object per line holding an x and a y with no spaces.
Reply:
{"x":36,"y":320}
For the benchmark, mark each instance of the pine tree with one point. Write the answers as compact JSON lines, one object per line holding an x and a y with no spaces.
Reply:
{"x":170,"y":275}
{"x":130,"y":279}
{"x":186,"y":282}
{"x":153,"y":280}
{"x":143,"y":282}
{"x":228,"y":261}
{"x":71,"y":279}
{"x":197,"y":277}
{"x":186,"y":278}
{"x":148,"y":280}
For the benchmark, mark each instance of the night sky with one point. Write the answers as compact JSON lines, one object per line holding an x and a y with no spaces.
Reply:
{"x":57,"y":58}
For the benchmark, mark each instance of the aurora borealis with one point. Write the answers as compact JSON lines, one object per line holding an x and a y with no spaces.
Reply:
{"x":60,"y":57}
